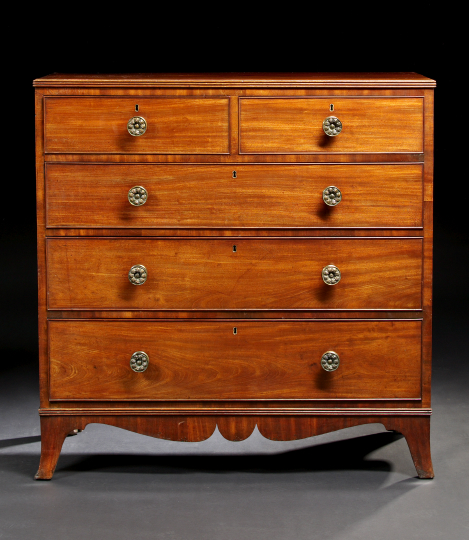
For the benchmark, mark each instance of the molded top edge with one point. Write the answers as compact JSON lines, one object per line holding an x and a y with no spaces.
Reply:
{"x":279,"y":80}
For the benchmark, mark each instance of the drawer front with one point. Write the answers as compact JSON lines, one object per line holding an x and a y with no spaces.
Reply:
{"x":196,"y":360}
{"x":99,"y":125}
{"x":294,"y":125}
{"x":97,"y":195}
{"x":242,"y":274}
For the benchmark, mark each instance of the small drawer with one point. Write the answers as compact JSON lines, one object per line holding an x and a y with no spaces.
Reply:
{"x":295,"y":125}
{"x":232,"y":196}
{"x":100,"y":125}
{"x":234,"y":274}
{"x":198,"y":360}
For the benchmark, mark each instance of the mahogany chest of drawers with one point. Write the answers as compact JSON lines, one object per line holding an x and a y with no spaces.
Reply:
{"x":235,"y":250}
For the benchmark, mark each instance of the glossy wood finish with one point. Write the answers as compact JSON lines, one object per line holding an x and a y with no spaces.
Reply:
{"x":416,"y":430}
{"x":187,"y":274}
{"x":183,"y":196}
{"x":427,"y":263}
{"x":417,"y":434}
{"x":90,"y":360}
{"x":369,"y":232}
{"x":237,"y":80}
{"x":53,"y":433}
{"x":175,"y":125}
{"x":307,"y":158}
{"x":294,"y":125}
{"x":359,"y":219}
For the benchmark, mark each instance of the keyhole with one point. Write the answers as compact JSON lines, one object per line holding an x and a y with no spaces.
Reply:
{"x":234,"y":174}
{"x":136,"y":108}
{"x":331,"y":107}
{"x":234,"y":249}
{"x":235,"y":330}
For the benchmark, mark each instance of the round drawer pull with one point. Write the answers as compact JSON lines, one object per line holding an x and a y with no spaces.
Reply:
{"x":138,"y":274}
{"x":332,"y":196}
{"x":332,"y":126}
{"x":330,"y":361}
{"x":137,"y":196}
{"x":137,"y":126}
{"x":139,"y":361}
{"x":331,"y":275}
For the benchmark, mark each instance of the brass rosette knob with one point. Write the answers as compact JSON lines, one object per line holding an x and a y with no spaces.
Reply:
{"x":138,"y":274}
{"x":332,"y":196}
{"x":332,"y":126}
{"x":331,"y":275}
{"x":137,"y":196}
{"x":330,"y":361}
{"x":137,"y":126}
{"x":139,"y":361}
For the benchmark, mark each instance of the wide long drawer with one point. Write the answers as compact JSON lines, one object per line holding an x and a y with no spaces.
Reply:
{"x":174,"y":125}
{"x":221,"y":196}
{"x":295,"y":125}
{"x":197,"y":360}
{"x":242,"y":274}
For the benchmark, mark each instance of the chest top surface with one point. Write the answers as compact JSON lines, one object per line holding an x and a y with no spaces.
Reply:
{"x":240,"y":79}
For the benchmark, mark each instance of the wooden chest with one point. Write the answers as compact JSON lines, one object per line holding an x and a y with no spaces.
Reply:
{"x":235,"y":250}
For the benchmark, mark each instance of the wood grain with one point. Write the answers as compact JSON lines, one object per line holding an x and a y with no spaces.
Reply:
{"x":237,"y":80}
{"x":199,"y":273}
{"x":294,"y":125}
{"x":427,"y":288}
{"x":268,"y":289}
{"x":41,"y":253}
{"x":95,"y":195}
{"x":99,"y":125}
{"x":53,"y":433}
{"x":195,"y":360}
{"x":381,"y":157}
{"x":417,"y":434}
{"x":203,"y":232}
{"x":416,"y":429}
